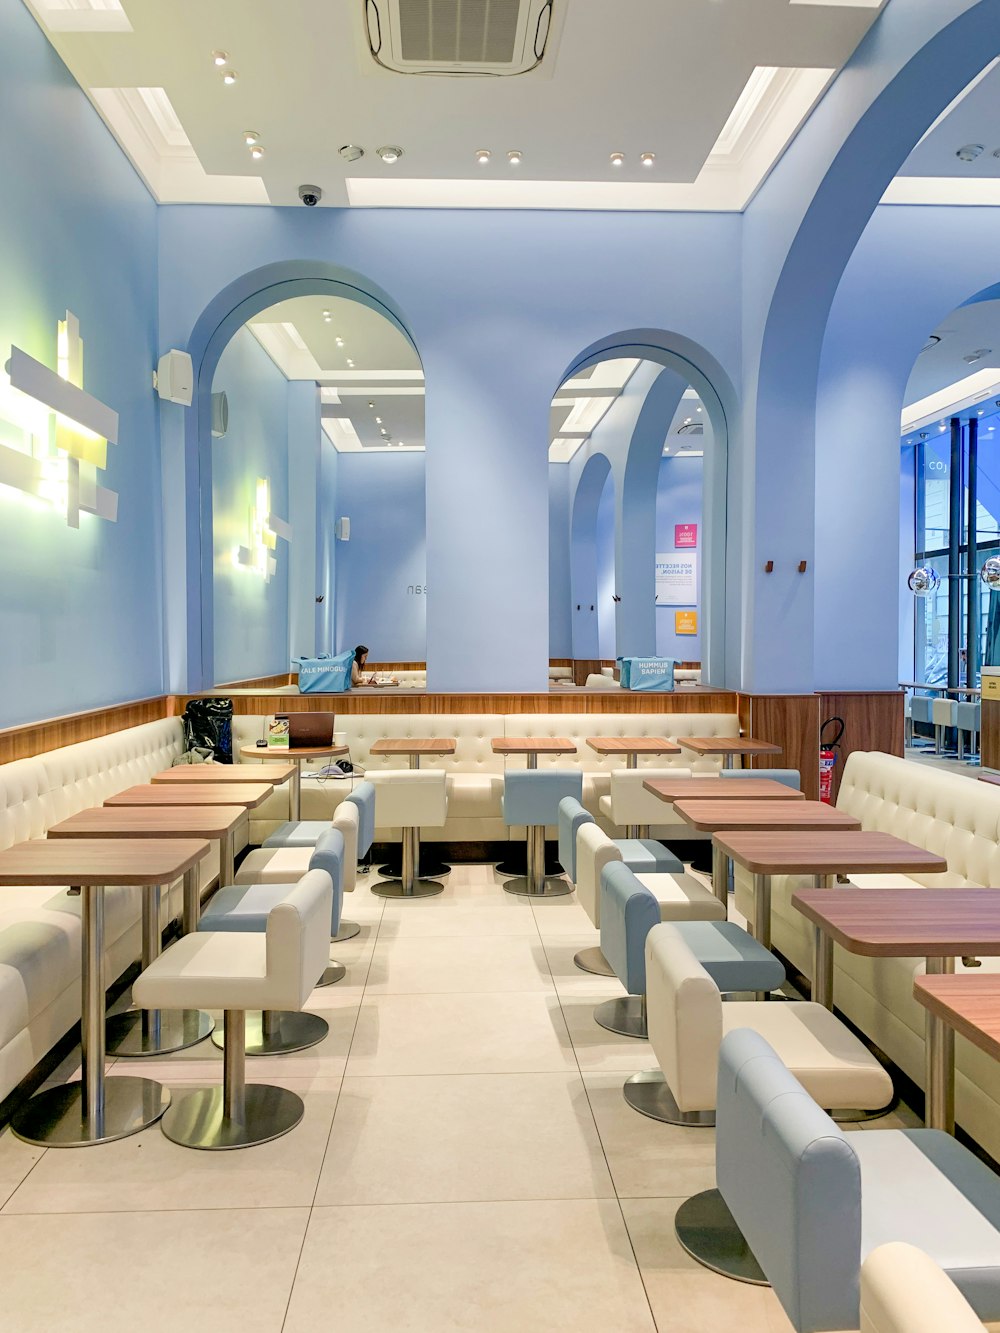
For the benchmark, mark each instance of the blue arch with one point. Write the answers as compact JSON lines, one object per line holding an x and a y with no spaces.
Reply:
{"x":584,"y":556}
{"x":226,"y":313}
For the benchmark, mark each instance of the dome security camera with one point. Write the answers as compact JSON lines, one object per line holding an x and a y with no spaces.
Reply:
{"x":310,"y":195}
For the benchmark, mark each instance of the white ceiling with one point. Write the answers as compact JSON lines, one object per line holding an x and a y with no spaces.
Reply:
{"x":715,"y":88}
{"x":944,"y":382}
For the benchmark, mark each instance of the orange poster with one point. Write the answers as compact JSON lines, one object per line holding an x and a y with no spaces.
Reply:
{"x":685,"y":622}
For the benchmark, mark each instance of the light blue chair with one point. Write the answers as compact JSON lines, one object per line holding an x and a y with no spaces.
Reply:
{"x":244,"y":908}
{"x":629,"y":911}
{"x":800,"y":1205}
{"x":920,"y":711}
{"x":968,"y":721}
{"x":531,"y":799}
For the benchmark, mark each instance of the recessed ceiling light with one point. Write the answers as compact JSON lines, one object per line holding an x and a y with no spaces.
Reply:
{"x":389,"y":154}
{"x":383,"y":432}
{"x":979,"y":413}
{"x":257,"y":151}
{"x":250,"y":137}
{"x":350,"y":363}
{"x":351,"y":152}
{"x":340,"y":343}
{"x":219,"y":58}
{"x":229,"y":76}
{"x":327,"y":316}
{"x":647,"y":159}
{"x":969,"y":152}
{"x":514,"y":157}
{"x":378,"y":421}
{"x":370,"y":403}
{"x":617,"y":159}
{"x":483,"y":155}
{"x":977,"y":355}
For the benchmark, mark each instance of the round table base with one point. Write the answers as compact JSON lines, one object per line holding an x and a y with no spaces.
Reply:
{"x":178,"y":1029}
{"x":593,"y":961}
{"x":516,"y":863}
{"x":334,"y":973}
{"x":347,"y":931}
{"x":706,"y":1229}
{"x":55,"y":1118}
{"x":197,"y":1121}
{"x":420,"y":888}
{"x":288,"y":1031}
{"x":626,"y":1016}
{"x":648,"y":1094}
{"x":431,"y":867}
{"x":521,"y":887}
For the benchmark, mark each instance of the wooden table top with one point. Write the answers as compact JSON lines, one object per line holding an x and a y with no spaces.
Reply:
{"x":429,"y":745}
{"x":906,"y":923}
{"x":247,"y":794}
{"x":992,"y":778}
{"x":202,"y":773}
{"x":633,"y":745}
{"x":727,"y":745}
{"x":721,"y":789}
{"x":99,"y":861}
{"x":709,"y":816}
{"x":157,"y":821}
{"x":827,"y":853}
{"x":293,"y":752}
{"x":969,"y":1004}
{"x":533,"y":745}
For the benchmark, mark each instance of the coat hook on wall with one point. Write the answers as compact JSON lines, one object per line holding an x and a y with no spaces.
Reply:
{"x":769,"y":567}
{"x":615,"y":597}
{"x":591,"y":606}
{"x":802,"y":566}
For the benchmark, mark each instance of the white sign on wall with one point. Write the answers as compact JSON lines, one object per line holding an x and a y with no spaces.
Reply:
{"x":677,"y":578}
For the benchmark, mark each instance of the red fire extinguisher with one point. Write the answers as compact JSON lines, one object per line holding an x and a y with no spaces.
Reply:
{"x":828,"y":756}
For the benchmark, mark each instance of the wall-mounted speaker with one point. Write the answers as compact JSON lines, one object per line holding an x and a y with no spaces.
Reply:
{"x":174,"y":378}
{"x":343,"y":529}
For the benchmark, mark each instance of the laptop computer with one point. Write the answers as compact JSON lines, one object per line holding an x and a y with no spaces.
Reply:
{"x":309,"y":730}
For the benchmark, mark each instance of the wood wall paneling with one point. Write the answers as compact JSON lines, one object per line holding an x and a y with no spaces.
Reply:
{"x":872,"y":721}
{"x":791,"y":721}
{"x":259,"y":682}
{"x":989,"y":738}
{"x":52,"y":733}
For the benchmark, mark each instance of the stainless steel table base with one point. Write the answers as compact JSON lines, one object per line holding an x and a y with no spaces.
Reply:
{"x":626,"y":1016}
{"x":430,"y":868}
{"x":706,"y":1229}
{"x":141,"y":1033}
{"x":648,"y":1094}
{"x":57,"y":1118}
{"x":939,"y":1056}
{"x":145,"y":1032}
{"x":334,"y":973}
{"x":410,"y":884}
{"x":536,"y":884}
{"x":199,"y":1120}
{"x":347,"y":931}
{"x":592,"y":960}
{"x":279,"y":1032}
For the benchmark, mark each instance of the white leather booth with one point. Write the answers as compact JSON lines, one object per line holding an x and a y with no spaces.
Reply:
{"x":944,"y":813}
{"x":475,"y":773}
{"x":40,"y":927}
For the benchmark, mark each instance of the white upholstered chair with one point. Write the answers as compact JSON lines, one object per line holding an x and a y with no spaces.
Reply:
{"x":904,"y":1291}
{"x":410,"y":799}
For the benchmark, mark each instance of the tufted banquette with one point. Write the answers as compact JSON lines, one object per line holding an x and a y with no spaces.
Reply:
{"x":945,"y":813}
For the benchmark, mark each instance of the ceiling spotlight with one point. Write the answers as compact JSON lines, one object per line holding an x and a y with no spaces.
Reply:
{"x":383,"y":431}
{"x":250,"y":137}
{"x":257,"y":152}
{"x":340,"y":343}
{"x":370,"y":403}
{"x":977,"y":355}
{"x":483,"y":156}
{"x":617,"y":159}
{"x":378,"y":420}
{"x":647,"y":159}
{"x":389,"y":154}
{"x":219,"y":58}
{"x":327,"y":316}
{"x":969,"y":152}
{"x":514,"y":157}
{"x":229,"y":76}
{"x":351,"y":152}
{"x":350,"y":363}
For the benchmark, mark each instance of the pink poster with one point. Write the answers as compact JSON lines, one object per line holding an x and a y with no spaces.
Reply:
{"x":685,"y":534}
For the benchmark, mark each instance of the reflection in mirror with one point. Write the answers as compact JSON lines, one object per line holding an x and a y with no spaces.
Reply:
{"x":318,"y":513}
{"x":628,"y":441}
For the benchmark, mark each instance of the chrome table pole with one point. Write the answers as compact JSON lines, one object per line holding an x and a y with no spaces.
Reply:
{"x":939,"y":1055}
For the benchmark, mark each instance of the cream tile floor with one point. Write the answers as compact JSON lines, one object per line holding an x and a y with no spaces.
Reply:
{"x":466,"y":1162}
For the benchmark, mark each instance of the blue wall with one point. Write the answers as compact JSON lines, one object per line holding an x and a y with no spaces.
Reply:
{"x":678,"y":500}
{"x":251,"y":614}
{"x":81,"y":614}
{"x":604,"y":544}
{"x":386,"y":557}
{"x":560,"y":588}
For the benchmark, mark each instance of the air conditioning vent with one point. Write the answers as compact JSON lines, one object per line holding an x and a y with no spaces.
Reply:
{"x":692,"y":428}
{"x":493,"y":37}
